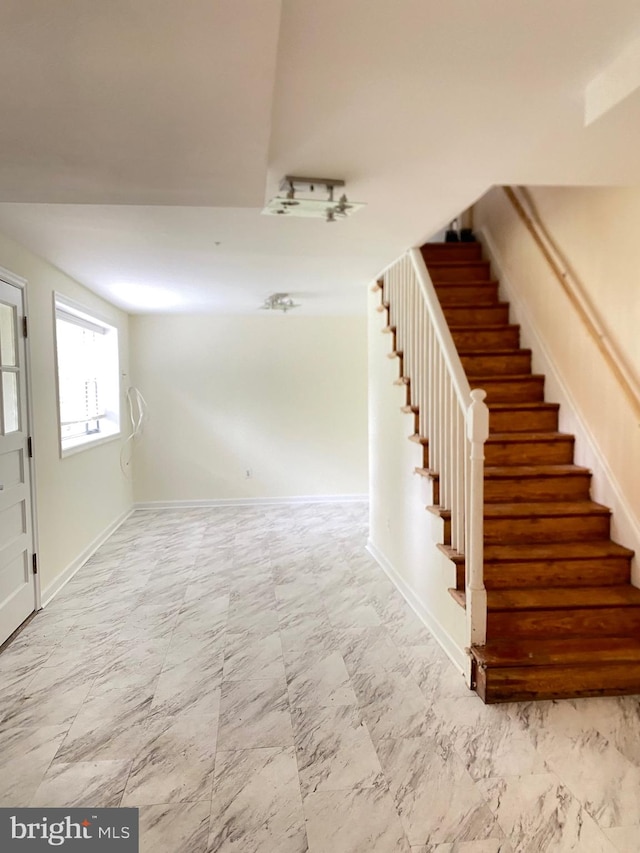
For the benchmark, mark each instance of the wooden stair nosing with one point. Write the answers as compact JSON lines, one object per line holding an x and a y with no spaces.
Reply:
{"x":580,"y":651}
{"x":435,"y":251}
{"x":523,"y":416}
{"x":521,"y":388}
{"x":447,"y":263}
{"x":522,"y":405}
{"x":487,"y":338}
{"x":419,"y":439}
{"x":568,"y":604}
{"x":458,"y":270}
{"x":429,"y":473}
{"x":584,"y":550}
{"x":492,"y":379}
{"x":484,"y":353}
{"x":563,"y":598}
{"x":458,"y":596}
{"x":481,"y":291}
{"x":473,"y":315}
{"x":485,"y":365}
{"x":528,"y":437}
{"x":507,"y":472}
{"x":530,"y":624}
{"x":519,"y":483}
{"x":472,"y":306}
{"x":451,"y":553}
{"x":489,"y":327}
{"x":440,"y":512}
{"x":523,"y":448}
{"x":551,"y":509}
{"x":494,"y":685}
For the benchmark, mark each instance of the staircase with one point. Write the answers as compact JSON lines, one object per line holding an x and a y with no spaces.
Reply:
{"x":563,"y":619}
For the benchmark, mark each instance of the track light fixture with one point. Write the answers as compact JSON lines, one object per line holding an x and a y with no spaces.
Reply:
{"x":279,"y":302}
{"x":299,"y":197}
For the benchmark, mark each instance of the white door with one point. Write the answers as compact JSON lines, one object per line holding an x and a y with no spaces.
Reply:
{"x":17,"y":581}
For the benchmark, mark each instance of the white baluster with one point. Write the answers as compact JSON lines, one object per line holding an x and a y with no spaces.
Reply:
{"x":459,"y":488}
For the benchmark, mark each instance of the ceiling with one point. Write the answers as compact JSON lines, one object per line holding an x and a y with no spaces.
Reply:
{"x":141,"y":138}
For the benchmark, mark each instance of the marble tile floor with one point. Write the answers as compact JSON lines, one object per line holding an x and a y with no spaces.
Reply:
{"x":251,"y":680}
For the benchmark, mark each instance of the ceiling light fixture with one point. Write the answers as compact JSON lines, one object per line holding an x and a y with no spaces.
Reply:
{"x":279,"y":302}
{"x":298,"y":197}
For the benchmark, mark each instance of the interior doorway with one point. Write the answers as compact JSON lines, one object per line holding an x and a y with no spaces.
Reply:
{"x":18,"y":581}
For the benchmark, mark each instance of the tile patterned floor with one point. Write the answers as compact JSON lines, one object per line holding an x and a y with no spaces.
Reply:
{"x":251,"y":681}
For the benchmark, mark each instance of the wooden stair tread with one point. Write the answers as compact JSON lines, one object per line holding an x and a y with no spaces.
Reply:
{"x":569,"y":650}
{"x":544,"y":508}
{"x":509,"y":471}
{"x":427,"y":472}
{"x":563,"y":598}
{"x":483,"y":353}
{"x":457,"y":262}
{"x":525,"y":471}
{"x":459,"y":597}
{"x":528,"y":437}
{"x":477,"y":381}
{"x":584,"y":550}
{"x":462,"y":247}
{"x":440,"y":512}
{"x":419,"y":439}
{"x":476,"y":282}
{"x":472,"y":305}
{"x":488,"y":327}
{"x":524,"y":405}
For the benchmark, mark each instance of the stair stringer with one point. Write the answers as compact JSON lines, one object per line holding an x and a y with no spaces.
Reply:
{"x":605,"y":489}
{"x":403,"y":536}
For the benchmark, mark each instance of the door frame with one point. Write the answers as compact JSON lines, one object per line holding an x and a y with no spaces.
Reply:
{"x":21,"y":283}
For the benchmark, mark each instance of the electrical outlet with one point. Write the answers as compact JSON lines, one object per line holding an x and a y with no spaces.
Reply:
{"x":248,"y":474}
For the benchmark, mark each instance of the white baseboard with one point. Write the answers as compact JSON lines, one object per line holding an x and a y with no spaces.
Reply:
{"x":249,"y":502}
{"x":457,"y":655}
{"x":625,"y":522}
{"x":65,"y":576}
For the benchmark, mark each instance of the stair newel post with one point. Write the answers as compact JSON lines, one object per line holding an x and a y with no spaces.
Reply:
{"x":476,"y":594}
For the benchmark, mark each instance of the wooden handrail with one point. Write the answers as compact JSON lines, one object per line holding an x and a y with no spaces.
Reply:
{"x":576,"y":295}
{"x":441,"y":330}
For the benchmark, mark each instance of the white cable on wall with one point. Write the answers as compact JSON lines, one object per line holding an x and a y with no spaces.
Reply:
{"x":138,"y":409}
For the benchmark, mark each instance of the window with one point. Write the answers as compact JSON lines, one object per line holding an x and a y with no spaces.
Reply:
{"x":88,"y":377}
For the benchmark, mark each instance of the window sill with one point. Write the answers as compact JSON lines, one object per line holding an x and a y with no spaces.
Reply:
{"x":87,"y":443}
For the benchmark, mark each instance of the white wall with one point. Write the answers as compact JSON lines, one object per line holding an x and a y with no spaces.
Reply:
{"x":597,"y":232}
{"x":81,"y":496}
{"x":403,"y":535}
{"x":281,"y":395}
